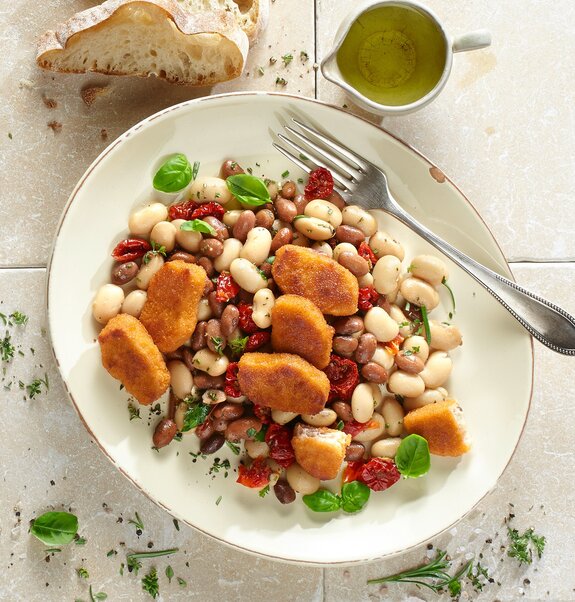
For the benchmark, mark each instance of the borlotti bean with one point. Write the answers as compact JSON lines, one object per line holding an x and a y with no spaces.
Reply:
{"x":444,"y":337}
{"x":210,"y":362}
{"x":134,"y":302}
{"x":257,"y":246}
{"x":429,"y":268}
{"x":325,"y":211}
{"x":437,"y":369}
{"x":385,"y":448}
{"x":107,"y":303}
{"x":381,"y":324}
{"x":343,"y":247}
{"x":354,"y":215}
{"x":313,"y":227}
{"x":386,"y":274}
{"x":247,"y":275}
{"x":164,"y":235}
{"x":392,"y":412}
{"x":419,"y":292}
{"x":181,"y":379}
{"x":209,"y":188}
{"x":381,"y":243}
{"x":187,"y":239}
{"x":264,"y":301}
{"x":232,"y":250}
{"x":142,"y":221}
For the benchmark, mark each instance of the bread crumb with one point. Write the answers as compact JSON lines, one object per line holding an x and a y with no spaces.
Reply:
{"x":437,"y":174}
{"x":55,"y":126}
{"x":90,"y":93}
{"x":49,"y":102}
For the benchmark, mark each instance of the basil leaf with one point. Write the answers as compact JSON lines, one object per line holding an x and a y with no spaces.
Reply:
{"x":55,"y":528}
{"x":322,"y":501}
{"x":195,"y":415}
{"x":248,"y":189}
{"x":261,"y":434}
{"x":198,"y":225}
{"x":354,"y":496}
{"x":412,"y":458}
{"x":175,"y":174}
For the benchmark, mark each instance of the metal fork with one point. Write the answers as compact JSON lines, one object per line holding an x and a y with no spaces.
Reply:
{"x":359,"y":180}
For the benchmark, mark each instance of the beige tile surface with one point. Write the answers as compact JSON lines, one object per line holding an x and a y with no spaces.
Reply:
{"x":502,"y":129}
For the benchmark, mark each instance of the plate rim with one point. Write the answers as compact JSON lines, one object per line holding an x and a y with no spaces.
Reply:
{"x":298,"y":98}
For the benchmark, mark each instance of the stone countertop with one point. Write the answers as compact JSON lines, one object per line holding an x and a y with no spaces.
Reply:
{"x":503,"y":130}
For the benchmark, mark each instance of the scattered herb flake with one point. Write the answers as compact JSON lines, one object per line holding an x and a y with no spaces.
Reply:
{"x":523,"y":545}
{"x":285,"y":174}
{"x":83,"y":573}
{"x":281,"y":81}
{"x":235,"y":448}
{"x":287,"y":59}
{"x":264,"y":491}
{"x":169,"y":573}
{"x":137,"y":522}
{"x":182,"y":582}
{"x":150,"y":583}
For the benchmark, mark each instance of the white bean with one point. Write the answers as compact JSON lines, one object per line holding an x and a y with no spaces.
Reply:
{"x":392,"y":412}
{"x":164,"y":235}
{"x":231,"y":217}
{"x":444,"y":337}
{"x":376,"y":394}
{"x":427,"y":397}
{"x":429,"y":268}
{"x":385,"y":448}
{"x":375,"y":430}
{"x":354,"y":215}
{"x":323,"y":248}
{"x":134,"y":303}
{"x":343,"y":247}
{"x":187,"y":239}
{"x":210,"y":362}
{"x":437,"y":369}
{"x":257,"y":449}
{"x":148,"y":270}
{"x":204,"y":310}
{"x":210,"y":188}
{"x":232,"y":250}
{"x":282,"y":417}
{"x":142,"y":221}
{"x":419,"y":292}
{"x":365,"y":280}
{"x":405,"y":384}
{"x":300,"y":480}
{"x":381,"y":243}
{"x":405,"y":326}
{"x":380,"y":324}
{"x":386,"y":274}
{"x":323,"y":418}
{"x":314,"y":228}
{"x":264,"y":301}
{"x":247,"y":275}
{"x":418,"y":346}
{"x":181,"y":379}
{"x":107,"y":303}
{"x":324,"y":210}
{"x":383,"y":357}
{"x":362,"y":403}
{"x":257,"y":246}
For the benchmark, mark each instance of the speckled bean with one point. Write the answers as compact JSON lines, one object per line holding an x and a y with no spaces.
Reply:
{"x":182,"y":256}
{"x":216,"y":306}
{"x":211,"y":247}
{"x":240,"y":429}
{"x":354,"y":452}
{"x":214,"y":337}
{"x":230,"y":168}
{"x":288,"y":189}
{"x":284,"y":492}
{"x":229,"y":411}
{"x":286,"y":209}
{"x":300,"y":203}
{"x":222,"y":233}
{"x":122,"y":273}
{"x":245,"y":222}
{"x":283,"y":237}
{"x":350,"y":234}
{"x":367,"y":344}
{"x":343,"y":410}
{"x":374,"y":373}
{"x":212,"y":443}
{"x":353,"y":262}
{"x":229,"y":320}
{"x":348,"y":325}
{"x":265,"y":218}
{"x":164,"y":432}
{"x":205,"y":381}
{"x":344,"y":345}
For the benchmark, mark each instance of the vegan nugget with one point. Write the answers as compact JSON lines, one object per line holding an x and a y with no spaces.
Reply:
{"x":130,"y":355}
{"x":298,"y":326}
{"x":283,"y":381}
{"x":300,"y":271}
{"x":171,"y":308}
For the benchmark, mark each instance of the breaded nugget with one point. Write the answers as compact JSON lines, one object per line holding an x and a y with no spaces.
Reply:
{"x":283,"y":381}
{"x":130,"y":355}
{"x":443,"y":426}
{"x":319,"y":450}
{"x":298,"y":326}
{"x":304,"y":272}
{"x":170,"y":311}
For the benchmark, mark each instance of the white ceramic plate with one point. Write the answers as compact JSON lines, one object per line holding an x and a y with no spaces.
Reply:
{"x":492,"y":375}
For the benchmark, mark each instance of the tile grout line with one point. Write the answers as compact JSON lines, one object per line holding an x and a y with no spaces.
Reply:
{"x":23,"y":267}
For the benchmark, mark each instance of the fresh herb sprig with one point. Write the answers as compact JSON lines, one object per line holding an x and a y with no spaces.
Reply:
{"x":523,"y":545}
{"x":150,"y":583}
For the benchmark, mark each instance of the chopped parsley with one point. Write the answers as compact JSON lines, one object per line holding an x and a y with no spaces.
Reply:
{"x":7,"y":348}
{"x":83,"y":573}
{"x":134,"y":411}
{"x":264,"y":491}
{"x":235,"y":448}
{"x":287,"y":59}
{"x":523,"y":545}
{"x":218,"y":343}
{"x":238,"y":345}
{"x":150,"y":583}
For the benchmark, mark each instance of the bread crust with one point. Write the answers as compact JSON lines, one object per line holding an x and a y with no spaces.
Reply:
{"x":130,"y":356}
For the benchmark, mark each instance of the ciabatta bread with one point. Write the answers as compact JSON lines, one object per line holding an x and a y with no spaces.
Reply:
{"x":149,"y":37}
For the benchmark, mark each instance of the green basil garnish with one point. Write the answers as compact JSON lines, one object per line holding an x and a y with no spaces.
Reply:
{"x":248,"y":189}
{"x":176,"y":173}
{"x":354,"y":496}
{"x":412,"y":458}
{"x":55,"y":528}
{"x":198,"y":225}
{"x":195,"y":415}
{"x":322,"y":501}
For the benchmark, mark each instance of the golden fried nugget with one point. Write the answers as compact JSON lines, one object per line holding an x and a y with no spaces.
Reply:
{"x":304,"y":272}
{"x":442,"y":425}
{"x":319,"y":450}
{"x":298,"y":326}
{"x":130,"y":355}
{"x":283,"y":381}
{"x":171,"y":308}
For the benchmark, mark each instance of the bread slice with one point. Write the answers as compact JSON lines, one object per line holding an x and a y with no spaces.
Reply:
{"x":148,"y":37}
{"x":443,"y":425}
{"x":320,"y":450}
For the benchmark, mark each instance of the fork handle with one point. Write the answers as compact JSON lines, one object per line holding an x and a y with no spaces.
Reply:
{"x":545,"y":321}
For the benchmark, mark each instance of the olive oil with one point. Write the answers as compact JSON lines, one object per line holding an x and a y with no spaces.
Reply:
{"x":393,"y":55}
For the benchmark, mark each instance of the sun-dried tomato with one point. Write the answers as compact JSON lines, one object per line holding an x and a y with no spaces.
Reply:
{"x":364,"y":250}
{"x":379,"y":474}
{"x":257,"y":340}
{"x":226,"y":288}
{"x":130,"y":249}
{"x":246,"y":322}
{"x":263,"y":413}
{"x":394,"y":345}
{"x":343,"y":378}
{"x":368,"y":297}
{"x":353,"y":427}
{"x":319,"y":184}
{"x":352,"y":471}
{"x":205,"y":209}
{"x":255,"y":476}
{"x":278,"y":438}
{"x":232,"y":386}
{"x":182,"y":210}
